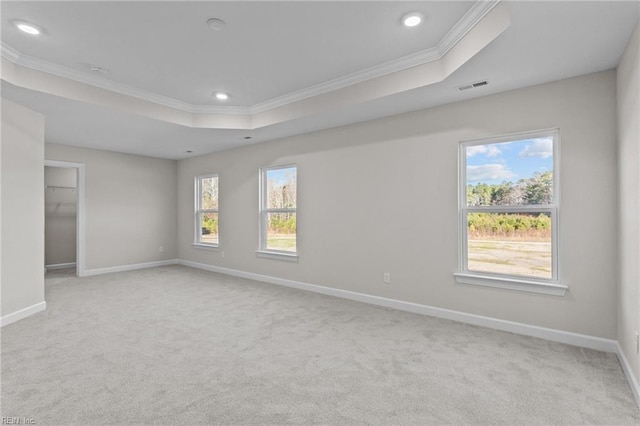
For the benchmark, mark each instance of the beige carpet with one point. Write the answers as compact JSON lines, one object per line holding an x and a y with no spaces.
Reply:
{"x":174,"y":345}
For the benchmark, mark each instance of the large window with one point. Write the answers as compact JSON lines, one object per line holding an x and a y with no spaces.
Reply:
{"x":206,"y":211}
{"x":278,"y":198}
{"x":509,"y":211}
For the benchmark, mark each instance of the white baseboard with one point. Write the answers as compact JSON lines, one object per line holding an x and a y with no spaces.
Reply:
{"x":22,"y":313}
{"x":582,"y":340}
{"x":60,"y":266}
{"x":628,"y":372}
{"x":133,"y":267}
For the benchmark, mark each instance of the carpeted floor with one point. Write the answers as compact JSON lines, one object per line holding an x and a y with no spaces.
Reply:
{"x":174,"y":345}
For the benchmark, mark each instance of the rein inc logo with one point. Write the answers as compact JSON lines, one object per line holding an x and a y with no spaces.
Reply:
{"x":5,"y":420}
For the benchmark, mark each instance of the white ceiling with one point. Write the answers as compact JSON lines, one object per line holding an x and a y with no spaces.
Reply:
{"x":272,"y":49}
{"x":167,"y":48}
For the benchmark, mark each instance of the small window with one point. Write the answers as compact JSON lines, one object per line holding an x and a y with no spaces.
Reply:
{"x":278,"y":221}
{"x":206,"y":211}
{"x":509,"y":208}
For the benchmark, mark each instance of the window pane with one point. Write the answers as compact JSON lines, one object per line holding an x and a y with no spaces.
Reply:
{"x":281,"y":231}
{"x":209,"y":228}
{"x":510,"y":243}
{"x":510,"y":173}
{"x":209,"y":188}
{"x":281,"y":188}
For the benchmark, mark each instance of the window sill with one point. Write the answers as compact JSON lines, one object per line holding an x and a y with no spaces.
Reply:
{"x":511,"y":284}
{"x":289,"y":257}
{"x":213,"y":247}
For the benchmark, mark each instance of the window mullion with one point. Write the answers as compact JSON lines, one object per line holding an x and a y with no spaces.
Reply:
{"x":510,"y":209}
{"x":280,"y":210}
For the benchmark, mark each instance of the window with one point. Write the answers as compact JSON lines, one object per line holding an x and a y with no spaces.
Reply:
{"x":509,"y":212}
{"x":278,"y":197}
{"x":206,"y":218}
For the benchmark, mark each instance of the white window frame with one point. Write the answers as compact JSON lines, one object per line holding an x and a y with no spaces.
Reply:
{"x":197,"y":232}
{"x":512,"y":282}
{"x":263,"y":251}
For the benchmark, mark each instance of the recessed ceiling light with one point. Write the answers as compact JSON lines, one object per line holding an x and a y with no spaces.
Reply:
{"x":28,"y":28}
{"x":216,"y":24}
{"x":221,"y":96}
{"x":412,"y":19}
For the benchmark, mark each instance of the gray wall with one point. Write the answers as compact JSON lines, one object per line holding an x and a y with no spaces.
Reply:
{"x":22,"y":159}
{"x":130,"y":206}
{"x":355,"y":182}
{"x":60,"y":210}
{"x":628,"y":199}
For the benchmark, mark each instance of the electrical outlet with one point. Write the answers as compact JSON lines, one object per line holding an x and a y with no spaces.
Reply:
{"x":222,"y":254}
{"x":161,"y":249}
{"x":386,"y":277}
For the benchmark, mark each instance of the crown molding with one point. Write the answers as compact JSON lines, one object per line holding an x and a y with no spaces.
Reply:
{"x":9,"y":53}
{"x":469,"y":20}
{"x":360,"y":76}
{"x":465,"y":24}
{"x":102,"y":82}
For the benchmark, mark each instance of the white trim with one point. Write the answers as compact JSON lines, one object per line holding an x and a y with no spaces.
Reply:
{"x":469,"y":20}
{"x":9,"y":53}
{"x":510,"y":283}
{"x":22,"y":313}
{"x":575,"y":339}
{"x":60,"y":266}
{"x":102,"y":82}
{"x":380,"y":70}
{"x":628,"y":372}
{"x":278,"y":255}
{"x":80,"y":210}
{"x":132,"y":267}
{"x":213,"y":247}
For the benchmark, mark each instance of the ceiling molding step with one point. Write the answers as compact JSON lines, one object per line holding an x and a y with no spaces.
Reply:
{"x":101,"y":82}
{"x":484,"y":32}
{"x":468,"y":21}
{"x":9,"y":53}
{"x":434,"y":71}
{"x":361,"y":76}
{"x":477,"y":38}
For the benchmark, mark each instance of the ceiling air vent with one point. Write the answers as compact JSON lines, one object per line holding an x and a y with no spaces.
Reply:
{"x":473,"y":85}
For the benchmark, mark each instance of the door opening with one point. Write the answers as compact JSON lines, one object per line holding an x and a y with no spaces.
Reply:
{"x":64,"y":218}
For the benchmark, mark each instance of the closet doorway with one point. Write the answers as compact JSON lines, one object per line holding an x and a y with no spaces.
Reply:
{"x":64,"y":218}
